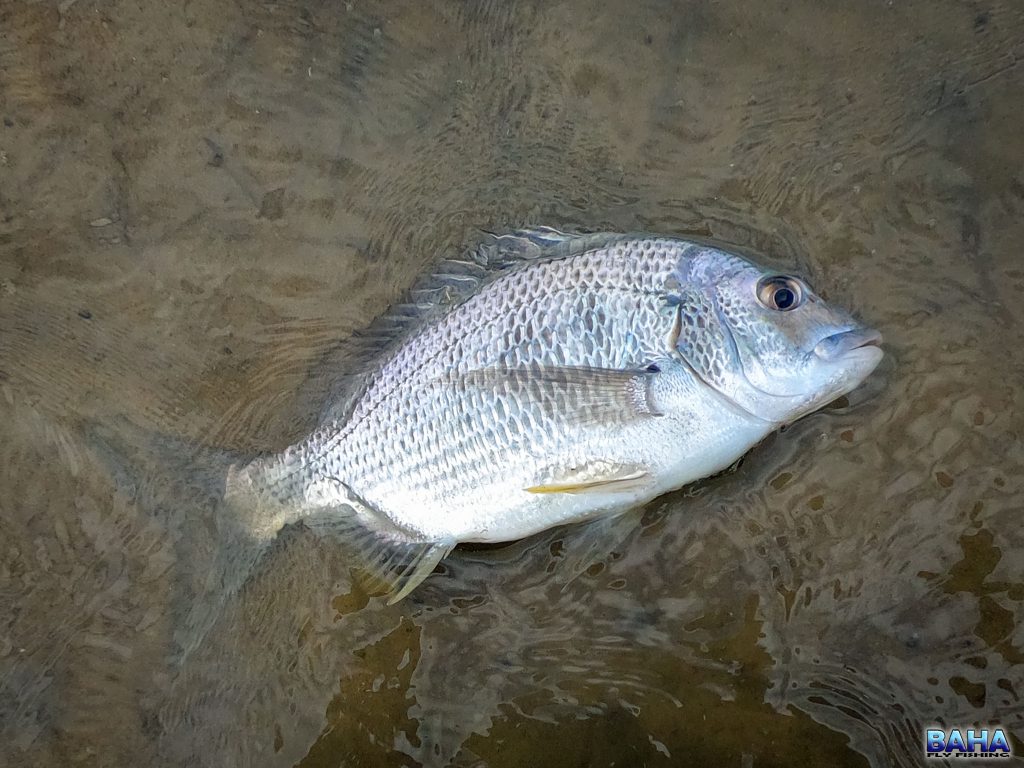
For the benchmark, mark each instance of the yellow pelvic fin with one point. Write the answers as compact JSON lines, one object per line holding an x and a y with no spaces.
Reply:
{"x":614,"y":479}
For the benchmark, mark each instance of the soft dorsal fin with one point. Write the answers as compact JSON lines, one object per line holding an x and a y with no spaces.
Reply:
{"x":343,"y":371}
{"x":347,"y":365}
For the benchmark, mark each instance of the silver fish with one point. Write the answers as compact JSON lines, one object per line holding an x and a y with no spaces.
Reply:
{"x":590,"y":375}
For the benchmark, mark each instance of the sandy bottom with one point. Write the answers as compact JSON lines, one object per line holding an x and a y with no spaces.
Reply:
{"x":198,"y":199}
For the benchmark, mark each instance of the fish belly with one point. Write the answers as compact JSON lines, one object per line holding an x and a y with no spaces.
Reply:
{"x":495,"y":505}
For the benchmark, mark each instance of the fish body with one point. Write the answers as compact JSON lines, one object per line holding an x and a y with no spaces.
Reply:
{"x":593,"y":374}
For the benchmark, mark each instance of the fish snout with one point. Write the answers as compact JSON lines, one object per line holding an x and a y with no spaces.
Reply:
{"x":833,"y":347}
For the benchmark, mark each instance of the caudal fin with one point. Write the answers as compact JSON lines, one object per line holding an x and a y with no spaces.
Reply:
{"x":130,"y":411}
{"x":220,"y":529}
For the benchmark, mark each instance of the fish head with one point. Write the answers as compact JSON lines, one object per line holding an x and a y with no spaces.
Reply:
{"x":765,"y":339}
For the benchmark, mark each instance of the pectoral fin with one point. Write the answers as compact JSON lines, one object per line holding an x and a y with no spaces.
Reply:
{"x":571,"y":395}
{"x":595,"y":477}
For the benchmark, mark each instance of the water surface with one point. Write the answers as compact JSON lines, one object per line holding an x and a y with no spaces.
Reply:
{"x":196,"y":202}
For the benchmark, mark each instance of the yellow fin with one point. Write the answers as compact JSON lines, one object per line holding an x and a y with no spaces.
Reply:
{"x":598,"y":477}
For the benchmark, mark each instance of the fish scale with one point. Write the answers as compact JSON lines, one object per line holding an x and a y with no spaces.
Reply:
{"x":587,"y":375}
{"x":489,"y":339}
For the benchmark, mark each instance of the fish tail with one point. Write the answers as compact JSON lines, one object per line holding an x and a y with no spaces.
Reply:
{"x":76,"y":376}
{"x":205,"y":499}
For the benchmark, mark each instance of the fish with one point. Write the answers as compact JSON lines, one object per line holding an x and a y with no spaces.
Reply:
{"x":571,"y":377}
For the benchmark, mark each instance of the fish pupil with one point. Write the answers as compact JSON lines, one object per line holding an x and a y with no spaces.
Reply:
{"x":784,"y":298}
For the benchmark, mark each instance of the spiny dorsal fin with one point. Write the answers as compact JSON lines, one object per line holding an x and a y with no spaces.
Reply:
{"x":537,"y":244}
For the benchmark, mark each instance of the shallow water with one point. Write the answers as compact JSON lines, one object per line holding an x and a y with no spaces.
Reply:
{"x":197,"y":202}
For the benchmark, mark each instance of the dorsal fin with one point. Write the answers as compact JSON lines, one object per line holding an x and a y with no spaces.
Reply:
{"x":499,"y":252}
{"x":344,"y":369}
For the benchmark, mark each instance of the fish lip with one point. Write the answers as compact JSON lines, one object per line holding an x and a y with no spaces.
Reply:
{"x":834,"y":347}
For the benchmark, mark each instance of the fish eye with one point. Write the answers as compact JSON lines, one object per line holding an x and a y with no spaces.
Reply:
{"x":780,"y":292}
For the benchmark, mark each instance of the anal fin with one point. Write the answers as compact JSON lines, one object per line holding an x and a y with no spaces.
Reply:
{"x":420,"y":559}
{"x":394,"y":560}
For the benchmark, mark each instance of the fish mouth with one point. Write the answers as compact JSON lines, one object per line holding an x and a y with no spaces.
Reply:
{"x":838,"y":345}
